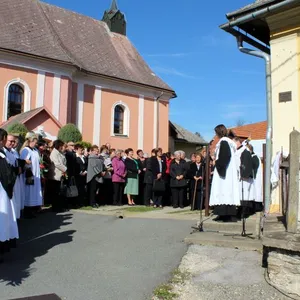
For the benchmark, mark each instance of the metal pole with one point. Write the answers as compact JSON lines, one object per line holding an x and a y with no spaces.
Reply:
{"x":207,"y":178}
{"x":267,"y":169}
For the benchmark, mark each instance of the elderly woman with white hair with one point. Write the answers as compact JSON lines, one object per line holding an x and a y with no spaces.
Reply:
{"x":178,"y":181}
{"x":33,"y":189}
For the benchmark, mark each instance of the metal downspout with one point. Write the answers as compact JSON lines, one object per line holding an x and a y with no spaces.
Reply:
{"x":267,"y":166}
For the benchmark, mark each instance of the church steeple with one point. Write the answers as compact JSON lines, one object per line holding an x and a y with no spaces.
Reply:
{"x":115,"y":19}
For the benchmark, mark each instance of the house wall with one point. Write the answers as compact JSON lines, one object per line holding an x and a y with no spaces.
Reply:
{"x":285,"y":61}
{"x":43,"y":119}
{"x":88,"y":102}
{"x":189,"y":149}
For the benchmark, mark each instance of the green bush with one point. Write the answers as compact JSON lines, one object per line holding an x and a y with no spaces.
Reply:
{"x":85,"y":144}
{"x":17,"y":129}
{"x":70,"y":133}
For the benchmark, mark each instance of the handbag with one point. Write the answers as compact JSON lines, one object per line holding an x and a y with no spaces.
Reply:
{"x":159,"y":186}
{"x":29,"y":178}
{"x":72,"y":190}
{"x":63,"y":188}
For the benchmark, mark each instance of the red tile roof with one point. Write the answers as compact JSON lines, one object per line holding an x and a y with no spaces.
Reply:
{"x":43,"y":30}
{"x":254,"y":131}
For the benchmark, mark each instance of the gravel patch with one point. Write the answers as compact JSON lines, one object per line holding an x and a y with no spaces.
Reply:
{"x":224,"y":273}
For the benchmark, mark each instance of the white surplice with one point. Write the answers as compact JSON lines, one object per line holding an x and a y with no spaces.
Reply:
{"x":12,"y":159}
{"x":33,"y":193}
{"x":8,"y":221}
{"x":20,"y":184}
{"x":246,"y":187}
{"x":225,"y":191}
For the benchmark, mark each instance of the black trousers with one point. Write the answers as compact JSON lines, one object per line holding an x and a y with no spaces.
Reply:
{"x":58,"y":202}
{"x":157,"y":198}
{"x":93,"y":187}
{"x":107,"y":191}
{"x":197,"y":204}
{"x":140,"y":198}
{"x":118,"y":193}
{"x":148,"y":193}
{"x":81,"y":186}
{"x":178,"y":196}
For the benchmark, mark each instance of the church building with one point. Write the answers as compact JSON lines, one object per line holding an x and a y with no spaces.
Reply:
{"x":59,"y":67}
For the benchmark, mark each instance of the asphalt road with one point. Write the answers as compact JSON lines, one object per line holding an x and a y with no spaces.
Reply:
{"x":92,"y":257}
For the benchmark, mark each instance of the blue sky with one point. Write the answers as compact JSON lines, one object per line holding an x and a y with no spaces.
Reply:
{"x":182,"y":43}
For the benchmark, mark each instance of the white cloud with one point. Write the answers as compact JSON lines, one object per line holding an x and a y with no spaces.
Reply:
{"x":247,"y":72}
{"x":180,"y":54}
{"x":173,"y":72}
{"x":235,"y":106}
{"x":233,"y":114}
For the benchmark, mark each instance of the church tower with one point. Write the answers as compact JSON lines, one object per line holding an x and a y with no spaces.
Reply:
{"x":115,"y":19}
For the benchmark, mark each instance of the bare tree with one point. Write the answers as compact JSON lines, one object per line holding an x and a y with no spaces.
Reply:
{"x":240,"y":122}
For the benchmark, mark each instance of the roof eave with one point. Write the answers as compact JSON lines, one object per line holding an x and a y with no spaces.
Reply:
{"x":172,"y":92}
{"x":237,"y":13}
{"x":256,"y":13}
{"x":192,"y":143}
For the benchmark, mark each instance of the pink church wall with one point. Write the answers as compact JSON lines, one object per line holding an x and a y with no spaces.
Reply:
{"x":73,"y":107}
{"x":64,"y":100}
{"x":88,"y":113}
{"x":109,"y":98}
{"x":48,"y":98}
{"x":148,"y":125}
{"x":9,"y":73}
{"x":164,"y":126}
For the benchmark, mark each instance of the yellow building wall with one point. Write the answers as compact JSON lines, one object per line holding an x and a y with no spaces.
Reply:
{"x":285,"y":63}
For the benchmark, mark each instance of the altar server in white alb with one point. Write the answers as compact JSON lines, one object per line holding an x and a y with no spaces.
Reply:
{"x":245,"y":175}
{"x":13,"y":162}
{"x":225,"y":187}
{"x":8,"y":222}
{"x":32,"y":177}
{"x":19,"y":185}
{"x":257,"y":180}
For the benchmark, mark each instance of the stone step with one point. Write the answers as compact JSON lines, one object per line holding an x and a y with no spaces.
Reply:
{"x":222,"y":240}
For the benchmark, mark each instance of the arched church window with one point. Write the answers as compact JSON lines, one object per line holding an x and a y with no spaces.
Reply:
{"x":15,"y":101}
{"x":119,"y":120}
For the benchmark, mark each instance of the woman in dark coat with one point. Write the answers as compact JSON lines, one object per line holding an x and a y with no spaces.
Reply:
{"x":158,"y":169}
{"x":178,"y":172}
{"x":142,"y":161}
{"x":133,"y":171}
{"x":196,"y":176}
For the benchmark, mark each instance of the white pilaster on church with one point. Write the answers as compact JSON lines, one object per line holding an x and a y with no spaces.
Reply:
{"x":80,"y":101}
{"x":141,"y":122}
{"x":155,"y":102}
{"x":40,"y":94}
{"x":97,"y":115}
{"x":56,"y":96}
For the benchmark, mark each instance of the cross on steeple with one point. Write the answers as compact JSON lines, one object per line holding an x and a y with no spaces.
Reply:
{"x":114,"y":5}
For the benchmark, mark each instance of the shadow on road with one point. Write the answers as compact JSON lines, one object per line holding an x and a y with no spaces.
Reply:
{"x":37,"y":237}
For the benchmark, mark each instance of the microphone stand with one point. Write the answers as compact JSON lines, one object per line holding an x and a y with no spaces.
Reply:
{"x":243,"y":234}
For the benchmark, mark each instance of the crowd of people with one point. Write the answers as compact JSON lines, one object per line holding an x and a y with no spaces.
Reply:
{"x":68,"y":175}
